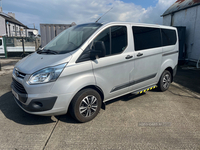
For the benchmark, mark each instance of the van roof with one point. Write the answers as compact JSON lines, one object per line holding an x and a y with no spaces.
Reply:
{"x":140,"y":24}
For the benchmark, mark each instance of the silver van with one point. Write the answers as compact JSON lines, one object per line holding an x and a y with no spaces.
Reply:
{"x":89,"y":64}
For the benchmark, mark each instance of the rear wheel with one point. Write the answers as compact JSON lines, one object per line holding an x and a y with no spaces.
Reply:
{"x":165,"y":81}
{"x":85,"y":105}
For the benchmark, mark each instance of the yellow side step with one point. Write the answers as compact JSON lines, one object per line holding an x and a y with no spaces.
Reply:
{"x":151,"y":88}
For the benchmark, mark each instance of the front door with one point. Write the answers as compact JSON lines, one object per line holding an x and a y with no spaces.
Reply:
{"x":112,"y":71}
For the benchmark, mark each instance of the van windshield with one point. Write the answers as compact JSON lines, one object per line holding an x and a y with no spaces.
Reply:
{"x":71,"y":39}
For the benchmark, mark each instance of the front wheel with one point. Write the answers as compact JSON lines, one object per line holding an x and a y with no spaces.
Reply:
{"x":85,"y":105}
{"x":165,"y":81}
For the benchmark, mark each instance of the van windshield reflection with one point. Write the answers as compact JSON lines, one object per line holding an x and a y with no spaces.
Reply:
{"x":70,"y":39}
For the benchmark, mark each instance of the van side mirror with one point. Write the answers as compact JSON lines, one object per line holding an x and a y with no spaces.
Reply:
{"x":98,"y":49}
{"x":92,"y":51}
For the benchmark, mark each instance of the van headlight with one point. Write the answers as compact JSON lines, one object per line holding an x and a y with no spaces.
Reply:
{"x":46,"y":75}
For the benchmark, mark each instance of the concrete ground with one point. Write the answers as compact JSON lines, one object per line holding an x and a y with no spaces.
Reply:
{"x":7,"y":65}
{"x":154,"y":120}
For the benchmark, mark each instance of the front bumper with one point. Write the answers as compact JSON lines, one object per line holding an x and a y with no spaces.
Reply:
{"x":40,"y":103}
{"x":36,"y":105}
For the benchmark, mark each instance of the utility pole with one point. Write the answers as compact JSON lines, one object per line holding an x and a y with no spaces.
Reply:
{"x":1,"y":9}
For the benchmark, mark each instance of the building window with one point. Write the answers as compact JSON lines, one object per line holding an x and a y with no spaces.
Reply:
{"x":30,"y":34}
{"x":146,"y":38}
{"x":13,"y":28}
{"x":0,"y":42}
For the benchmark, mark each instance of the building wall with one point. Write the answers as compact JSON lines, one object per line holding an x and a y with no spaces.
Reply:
{"x":191,"y":19}
{"x":2,"y":26}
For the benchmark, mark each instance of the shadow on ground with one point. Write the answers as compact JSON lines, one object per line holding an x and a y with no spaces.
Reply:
{"x":68,"y":119}
{"x":189,"y":78}
{"x":12,"y":111}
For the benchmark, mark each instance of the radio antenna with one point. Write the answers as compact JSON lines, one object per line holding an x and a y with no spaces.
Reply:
{"x":104,"y":14}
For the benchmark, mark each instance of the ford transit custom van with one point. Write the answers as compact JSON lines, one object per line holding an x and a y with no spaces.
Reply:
{"x":89,"y":64}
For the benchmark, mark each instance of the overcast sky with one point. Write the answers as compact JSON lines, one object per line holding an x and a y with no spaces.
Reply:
{"x":82,"y":11}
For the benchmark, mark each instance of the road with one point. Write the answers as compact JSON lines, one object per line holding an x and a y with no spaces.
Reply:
{"x":154,"y":120}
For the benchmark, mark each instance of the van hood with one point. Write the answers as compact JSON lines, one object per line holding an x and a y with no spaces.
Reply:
{"x":35,"y":62}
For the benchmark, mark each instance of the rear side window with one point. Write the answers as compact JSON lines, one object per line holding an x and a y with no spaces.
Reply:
{"x":168,"y":37}
{"x":114,"y":38}
{"x":0,"y":42}
{"x":146,"y":37}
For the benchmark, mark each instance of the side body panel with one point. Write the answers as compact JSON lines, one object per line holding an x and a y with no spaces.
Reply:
{"x":112,"y":72}
{"x":170,"y":54}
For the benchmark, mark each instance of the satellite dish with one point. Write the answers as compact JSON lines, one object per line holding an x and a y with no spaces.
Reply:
{"x":35,"y":32}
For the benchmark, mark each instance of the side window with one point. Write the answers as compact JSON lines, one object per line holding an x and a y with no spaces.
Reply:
{"x":114,"y":38}
{"x":168,"y":37}
{"x":119,"y":39}
{"x":146,"y":38}
{"x":0,"y":42}
{"x":105,"y":37}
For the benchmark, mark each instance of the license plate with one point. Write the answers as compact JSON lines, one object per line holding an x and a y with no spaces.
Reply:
{"x":15,"y":94}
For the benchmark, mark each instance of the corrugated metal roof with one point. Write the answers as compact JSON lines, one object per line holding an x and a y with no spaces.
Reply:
{"x":181,"y":5}
{"x":12,"y":20}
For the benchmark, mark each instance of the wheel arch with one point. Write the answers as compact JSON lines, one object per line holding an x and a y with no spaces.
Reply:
{"x":167,"y":65}
{"x":98,"y":89}
{"x":171,"y":71}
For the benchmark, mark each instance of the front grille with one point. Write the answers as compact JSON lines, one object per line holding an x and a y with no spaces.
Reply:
{"x":19,"y":87}
{"x":19,"y":74}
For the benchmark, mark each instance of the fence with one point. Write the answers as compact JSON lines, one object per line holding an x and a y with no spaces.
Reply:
{"x":21,"y":46}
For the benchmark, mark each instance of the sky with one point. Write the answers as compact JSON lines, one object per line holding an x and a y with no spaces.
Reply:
{"x":31,"y":12}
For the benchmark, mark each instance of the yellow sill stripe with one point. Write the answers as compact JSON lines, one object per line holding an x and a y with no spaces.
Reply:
{"x":147,"y":90}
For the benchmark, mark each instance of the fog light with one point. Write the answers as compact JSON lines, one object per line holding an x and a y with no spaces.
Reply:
{"x":37,"y":105}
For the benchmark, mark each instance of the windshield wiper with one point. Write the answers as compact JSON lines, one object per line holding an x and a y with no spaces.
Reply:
{"x":48,"y":51}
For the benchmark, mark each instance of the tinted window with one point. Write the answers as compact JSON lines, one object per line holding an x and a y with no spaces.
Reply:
{"x":0,"y":42}
{"x":168,"y":37}
{"x":105,"y":37}
{"x":114,"y":38}
{"x":119,"y":39}
{"x":145,"y":38}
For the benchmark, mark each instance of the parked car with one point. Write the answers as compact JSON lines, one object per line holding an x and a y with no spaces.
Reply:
{"x":92,"y":63}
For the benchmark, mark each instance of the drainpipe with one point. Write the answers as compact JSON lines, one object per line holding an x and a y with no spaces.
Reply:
{"x":15,"y":31}
{"x":6,"y":28}
{"x":9,"y":30}
{"x":4,"y":45}
{"x":172,"y":14}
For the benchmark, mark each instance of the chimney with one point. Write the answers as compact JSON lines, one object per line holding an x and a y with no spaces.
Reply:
{"x":11,"y":14}
{"x":0,"y":9}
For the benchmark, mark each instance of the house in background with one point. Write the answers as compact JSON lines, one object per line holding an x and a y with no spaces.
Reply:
{"x":16,"y":38}
{"x":11,"y":27}
{"x":186,"y":13}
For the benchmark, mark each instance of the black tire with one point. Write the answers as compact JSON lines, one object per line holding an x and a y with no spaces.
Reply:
{"x":165,"y":81}
{"x":87,"y":101}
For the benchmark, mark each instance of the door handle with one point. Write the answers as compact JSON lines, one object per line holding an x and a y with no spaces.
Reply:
{"x":129,"y":57}
{"x":139,"y":54}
